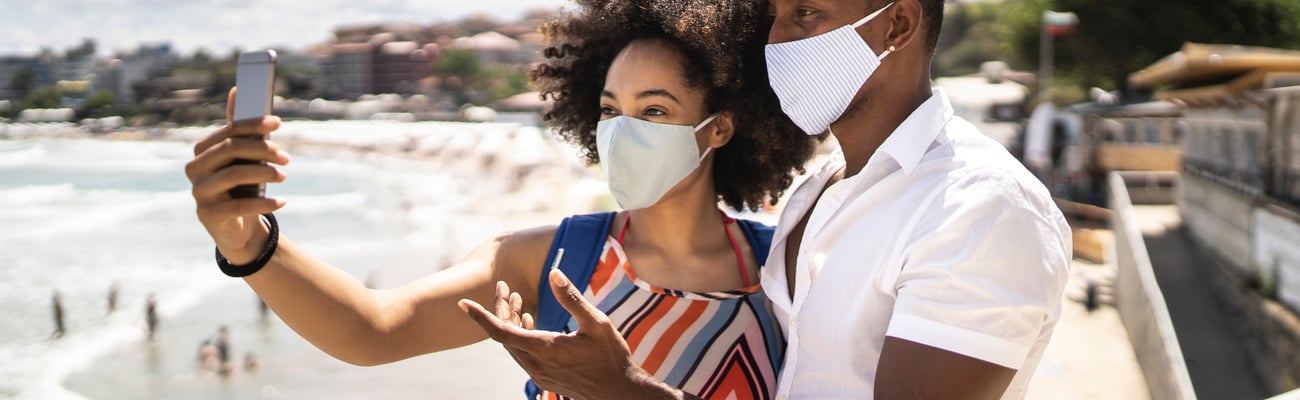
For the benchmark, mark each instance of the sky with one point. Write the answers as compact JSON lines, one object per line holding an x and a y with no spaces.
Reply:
{"x":220,"y":25}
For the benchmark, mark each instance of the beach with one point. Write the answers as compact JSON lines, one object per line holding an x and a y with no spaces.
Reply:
{"x":387,"y":205}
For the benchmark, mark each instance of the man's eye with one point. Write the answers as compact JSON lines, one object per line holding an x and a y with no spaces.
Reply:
{"x":804,"y":12}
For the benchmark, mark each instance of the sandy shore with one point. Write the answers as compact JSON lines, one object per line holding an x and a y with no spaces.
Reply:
{"x":288,"y":366}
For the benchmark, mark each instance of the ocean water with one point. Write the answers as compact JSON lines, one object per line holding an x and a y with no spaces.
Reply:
{"x":80,"y":215}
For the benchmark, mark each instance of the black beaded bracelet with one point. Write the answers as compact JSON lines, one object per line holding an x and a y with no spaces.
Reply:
{"x":240,"y":271}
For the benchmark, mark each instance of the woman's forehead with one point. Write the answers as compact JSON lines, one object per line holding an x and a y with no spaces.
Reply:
{"x":647,"y":61}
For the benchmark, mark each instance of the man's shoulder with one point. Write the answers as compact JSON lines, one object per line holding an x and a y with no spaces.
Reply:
{"x":978,"y":172}
{"x":972,"y":159}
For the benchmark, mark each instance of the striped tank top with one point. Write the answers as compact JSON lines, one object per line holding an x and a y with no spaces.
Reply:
{"x":717,"y":345}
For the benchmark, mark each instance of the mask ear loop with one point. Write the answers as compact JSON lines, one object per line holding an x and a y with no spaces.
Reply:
{"x":891,"y":50}
{"x":701,"y":126}
{"x":872,"y":15}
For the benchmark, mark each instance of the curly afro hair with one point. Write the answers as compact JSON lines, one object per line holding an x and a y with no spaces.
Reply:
{"x":723,"y":43}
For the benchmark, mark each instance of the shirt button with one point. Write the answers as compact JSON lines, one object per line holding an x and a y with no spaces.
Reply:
{"x":794,"y":323}
{"x":782,"y":397}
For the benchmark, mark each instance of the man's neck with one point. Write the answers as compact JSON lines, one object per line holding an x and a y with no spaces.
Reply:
{"x":867,"y":124}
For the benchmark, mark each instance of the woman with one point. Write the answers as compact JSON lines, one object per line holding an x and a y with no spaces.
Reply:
{"x":684,"y":118}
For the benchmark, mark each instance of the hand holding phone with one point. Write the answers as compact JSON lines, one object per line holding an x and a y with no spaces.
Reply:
{"x":255,"y":83}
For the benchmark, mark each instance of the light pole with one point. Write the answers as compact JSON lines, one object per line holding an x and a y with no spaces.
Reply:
{"x":1054,"y":24}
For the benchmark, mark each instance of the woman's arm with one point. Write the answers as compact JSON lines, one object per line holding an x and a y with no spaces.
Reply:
{"x":339,"y":315}
{"x":326,"y":306}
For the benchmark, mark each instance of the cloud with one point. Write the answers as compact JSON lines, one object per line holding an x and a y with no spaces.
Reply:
{"x":219,"y":25}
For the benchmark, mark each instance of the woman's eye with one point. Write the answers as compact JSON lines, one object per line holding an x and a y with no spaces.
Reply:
{"x":804,"y":12}
{"x":606,"y":110}
{"x":655,"y":112}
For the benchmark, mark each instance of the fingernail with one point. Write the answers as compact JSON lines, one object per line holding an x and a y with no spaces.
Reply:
{"x":464,"y":307}
{"x":558,"y":278}
{"x":279,"y":203}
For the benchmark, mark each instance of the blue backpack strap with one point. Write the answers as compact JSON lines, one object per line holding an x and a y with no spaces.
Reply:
{"x":760,"y":238}
{"x":576,"y":249}
{"x":578,"y":244}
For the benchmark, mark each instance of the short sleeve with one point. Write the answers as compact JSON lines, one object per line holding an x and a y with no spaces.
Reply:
{"x":983,"y":270}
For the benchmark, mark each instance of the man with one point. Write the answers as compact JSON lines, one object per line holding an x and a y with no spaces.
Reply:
{"x":923,"y":263}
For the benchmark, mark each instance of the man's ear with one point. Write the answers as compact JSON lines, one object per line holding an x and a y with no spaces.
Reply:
{"x":723,"y":129}
{"x":904,"y":23}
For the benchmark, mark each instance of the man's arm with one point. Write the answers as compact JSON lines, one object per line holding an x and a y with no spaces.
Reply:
{"x":980,"y":285}
{"x":592,"y":363}
{"x":910,"y":370}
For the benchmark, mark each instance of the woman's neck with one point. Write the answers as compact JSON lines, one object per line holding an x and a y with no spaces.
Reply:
{"x":682,"y":223}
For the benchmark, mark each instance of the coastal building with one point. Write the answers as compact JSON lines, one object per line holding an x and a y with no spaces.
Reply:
{"x":345,"y":69}
{"x":385,"y":63}
{"x":40,"y":70}
{"x":128,"y":75}
{"x":1238,"y":188}
{"x":78,"y":63}
{"x":47,"y":68}
{"x":398,"y":66}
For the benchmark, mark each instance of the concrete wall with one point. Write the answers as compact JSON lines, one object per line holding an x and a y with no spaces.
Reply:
{"x":1252,"y":249}
{"x":1142,"y":306}
{"x":1276,"y":251}
{"x":1216,"y":213}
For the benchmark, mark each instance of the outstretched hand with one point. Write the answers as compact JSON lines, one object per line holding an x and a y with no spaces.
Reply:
{"x":592,"y":363}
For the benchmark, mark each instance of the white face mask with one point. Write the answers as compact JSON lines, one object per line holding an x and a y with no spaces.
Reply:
{"x":642,"y":160}
{"x":816,"y":78}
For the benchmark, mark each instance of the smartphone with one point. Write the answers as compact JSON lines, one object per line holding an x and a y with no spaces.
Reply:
{"x":255,"y":80}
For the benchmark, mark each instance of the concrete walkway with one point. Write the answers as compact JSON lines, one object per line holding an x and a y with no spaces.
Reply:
{"x":1090,"y":356}
{"x":1216,"y":354}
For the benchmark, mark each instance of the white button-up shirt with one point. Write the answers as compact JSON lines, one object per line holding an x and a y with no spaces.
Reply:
{"x":943,"y":239}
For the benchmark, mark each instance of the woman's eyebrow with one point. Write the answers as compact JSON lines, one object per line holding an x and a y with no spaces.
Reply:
{"x":645,"y":94}
{"x":660,"y":93}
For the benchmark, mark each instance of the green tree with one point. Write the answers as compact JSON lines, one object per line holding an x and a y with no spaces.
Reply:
{"x":458,"y":70}
{"x":501,"y":81}
{"x":462,"y":75}
{"x":1117,"y":37}
{"x":23,"y":82}
{"x":970,"y":36}
{"x":97,"y":104}
{"x":43,"y":97}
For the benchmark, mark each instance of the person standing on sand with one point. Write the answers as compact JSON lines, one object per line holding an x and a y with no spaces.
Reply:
{"x":112,"y":298}
{"x":223,"y":344}
{"x":58,"y":315}
{"x":151,"y":315}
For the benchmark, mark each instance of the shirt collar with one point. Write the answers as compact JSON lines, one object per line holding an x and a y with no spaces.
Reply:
{"x":911,"y":140}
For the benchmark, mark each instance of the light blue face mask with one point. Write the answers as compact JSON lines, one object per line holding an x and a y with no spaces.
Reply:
{"x":642,"y":160}
{"x":816,"y":78}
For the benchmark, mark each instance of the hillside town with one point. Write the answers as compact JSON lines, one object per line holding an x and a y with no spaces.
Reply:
{"x":390,"y":70}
